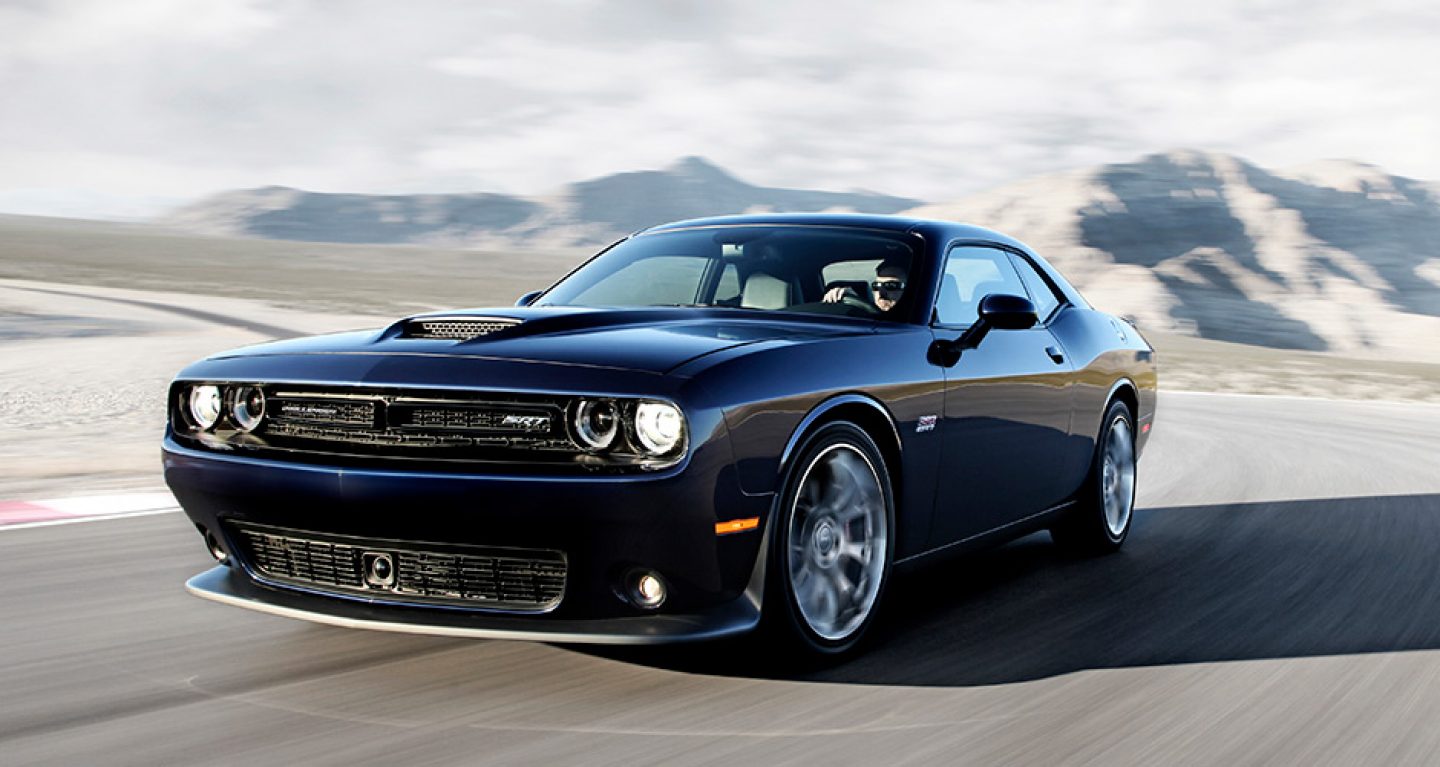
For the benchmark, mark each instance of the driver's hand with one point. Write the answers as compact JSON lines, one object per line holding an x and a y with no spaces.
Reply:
{"x":837,"y":294}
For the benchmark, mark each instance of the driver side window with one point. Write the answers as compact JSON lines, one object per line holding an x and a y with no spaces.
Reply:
{"x":971,"y":273}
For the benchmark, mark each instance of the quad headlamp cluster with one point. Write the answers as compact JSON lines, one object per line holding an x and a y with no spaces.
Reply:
{"x":650,"y":427}
{"x":206,"y":405}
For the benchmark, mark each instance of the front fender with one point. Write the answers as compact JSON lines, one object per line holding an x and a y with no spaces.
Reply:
{"x":820,"y":413}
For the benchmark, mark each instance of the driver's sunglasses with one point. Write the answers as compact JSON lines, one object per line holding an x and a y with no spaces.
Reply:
{"x":889,"y":286}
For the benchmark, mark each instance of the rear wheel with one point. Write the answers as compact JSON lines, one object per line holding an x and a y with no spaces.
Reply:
{"x":833,"y":544}
{"x":1100,"y":519}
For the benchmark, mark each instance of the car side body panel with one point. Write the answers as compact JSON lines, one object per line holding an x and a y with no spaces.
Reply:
{"x":1107,"y":352}
{"x":1008,"y":445}
{"x":771,"y":392}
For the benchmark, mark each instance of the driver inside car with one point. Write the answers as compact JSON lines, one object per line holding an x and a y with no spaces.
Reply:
{"x":889,"y":285}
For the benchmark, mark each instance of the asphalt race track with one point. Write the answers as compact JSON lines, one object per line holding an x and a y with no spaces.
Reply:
{"x":1278,"y":602}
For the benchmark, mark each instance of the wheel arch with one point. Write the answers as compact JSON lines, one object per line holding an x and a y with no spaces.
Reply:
{"x":1126,"y":391}
{"x":873,"y":418}
{"x":863,"y":411}
{"x":866,"y":413}
{"x":1075,"y":528}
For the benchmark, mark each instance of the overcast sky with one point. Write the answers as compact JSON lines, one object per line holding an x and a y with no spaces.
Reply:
{"x":115,"y":108}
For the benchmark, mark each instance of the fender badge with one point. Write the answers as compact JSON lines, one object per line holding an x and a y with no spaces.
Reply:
{"x":926,"y":423}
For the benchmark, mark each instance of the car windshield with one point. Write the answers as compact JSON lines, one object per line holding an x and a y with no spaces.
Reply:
{"x":826,"y":270}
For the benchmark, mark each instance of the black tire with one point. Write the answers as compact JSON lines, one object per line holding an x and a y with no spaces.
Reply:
{"x":1089,"y":527}
{"x":829,"y":535}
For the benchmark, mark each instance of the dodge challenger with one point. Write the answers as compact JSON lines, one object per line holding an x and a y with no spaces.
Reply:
{"x":711,"y":427}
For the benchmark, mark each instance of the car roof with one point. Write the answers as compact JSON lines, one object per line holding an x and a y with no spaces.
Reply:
{"x":929,"y":228}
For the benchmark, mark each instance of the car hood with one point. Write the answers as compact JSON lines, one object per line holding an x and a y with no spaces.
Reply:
{"x":652,"y":340}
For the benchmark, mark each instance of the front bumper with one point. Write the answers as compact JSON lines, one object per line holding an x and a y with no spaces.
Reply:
{"x":606,"y":526}
{"x":228,"y":586}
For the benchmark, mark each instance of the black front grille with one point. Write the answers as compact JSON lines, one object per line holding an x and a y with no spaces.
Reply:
{"x":522,"y":580}
{"x":324,"y":412}
{"x":410,"y":424}
{"x":457,"y":328}
{"x":492,"y":418}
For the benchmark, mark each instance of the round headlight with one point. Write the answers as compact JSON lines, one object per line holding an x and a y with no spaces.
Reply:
{"x":205,"y":406}
{"x":659,"y":426}
{"x":597,"y":421}
{"x":247,"y":407}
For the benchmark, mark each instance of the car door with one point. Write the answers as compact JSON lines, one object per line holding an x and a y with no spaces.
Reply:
{"x":1007,"y":408}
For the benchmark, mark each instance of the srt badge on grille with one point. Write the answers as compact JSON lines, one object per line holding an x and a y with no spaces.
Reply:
{"x":526,"y":422}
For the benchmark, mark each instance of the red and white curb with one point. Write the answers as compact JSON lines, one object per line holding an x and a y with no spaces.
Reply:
{"x":16,"y":515}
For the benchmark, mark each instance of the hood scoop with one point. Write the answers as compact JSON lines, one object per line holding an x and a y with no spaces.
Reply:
{"x":460,"y":328}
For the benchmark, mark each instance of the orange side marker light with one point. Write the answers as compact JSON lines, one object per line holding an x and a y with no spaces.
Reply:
{"x":736,"y":526}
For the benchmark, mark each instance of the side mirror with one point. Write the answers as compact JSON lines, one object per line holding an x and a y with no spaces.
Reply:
{"x":528,"y":298}
{"x":997,"y":311}
{"x":1006,"y":312}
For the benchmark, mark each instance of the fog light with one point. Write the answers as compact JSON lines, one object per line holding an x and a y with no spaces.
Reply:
{"x":648,"y":591}
{"x":216,"y":550}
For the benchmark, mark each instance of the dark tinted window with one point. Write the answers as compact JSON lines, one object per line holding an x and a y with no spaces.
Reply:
{"x":728,"y":291}
{"x":657,"y":280}
{"x":778,"y":268}
{"x":1040,"y":291}
{"x":971,"y":273}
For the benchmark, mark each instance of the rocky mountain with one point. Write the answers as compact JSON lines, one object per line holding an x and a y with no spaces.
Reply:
{"x":588,"y":213}
{"x":1334,"y":256}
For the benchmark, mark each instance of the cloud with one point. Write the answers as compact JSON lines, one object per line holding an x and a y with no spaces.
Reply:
{"x":157,"y":99}
{"x":52,"y":31}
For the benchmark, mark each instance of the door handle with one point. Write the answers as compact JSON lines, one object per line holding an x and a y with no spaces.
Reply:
{"x":1055,"y":354}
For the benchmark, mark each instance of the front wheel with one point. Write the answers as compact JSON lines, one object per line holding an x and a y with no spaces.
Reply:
{"x":1099,"y":521}
{"x":833,"y":543}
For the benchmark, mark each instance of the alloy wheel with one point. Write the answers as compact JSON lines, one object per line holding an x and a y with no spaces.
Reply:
{"x":837,"y":542}
{"x":1117,"y":479}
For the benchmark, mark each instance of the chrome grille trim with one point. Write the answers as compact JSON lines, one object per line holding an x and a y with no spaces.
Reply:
{"x":456,"y":328}
{"x":319,"y":411}
{"x":318,"y":420}
{"x":409,"y":439}
{"x":489,"y":578}
{"x":483,"y":417}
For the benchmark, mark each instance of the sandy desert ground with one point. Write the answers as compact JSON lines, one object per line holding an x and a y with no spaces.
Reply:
{"x":84,"y":372}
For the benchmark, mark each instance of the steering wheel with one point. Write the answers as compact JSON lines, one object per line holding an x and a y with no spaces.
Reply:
{"x":855,"y":302}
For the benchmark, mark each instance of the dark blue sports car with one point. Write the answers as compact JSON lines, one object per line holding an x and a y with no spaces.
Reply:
{"x":712,"y":426}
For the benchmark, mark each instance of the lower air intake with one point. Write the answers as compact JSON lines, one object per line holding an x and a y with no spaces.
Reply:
{"x":521,"y":580}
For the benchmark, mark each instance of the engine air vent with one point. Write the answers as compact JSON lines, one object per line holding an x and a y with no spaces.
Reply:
{"x":456,"y":328}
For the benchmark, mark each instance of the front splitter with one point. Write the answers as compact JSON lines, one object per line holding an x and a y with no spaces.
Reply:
{"x":226,"y":586}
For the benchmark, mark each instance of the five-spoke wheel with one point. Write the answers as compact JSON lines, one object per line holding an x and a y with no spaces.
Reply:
{"x":1100,"y":518}
{"x":834,"y":542}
